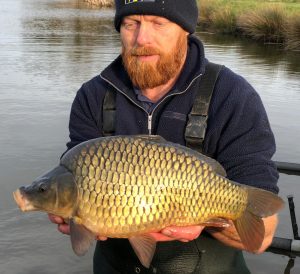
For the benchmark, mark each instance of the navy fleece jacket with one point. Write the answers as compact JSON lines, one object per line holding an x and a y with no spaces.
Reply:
{"x":238,"y":131}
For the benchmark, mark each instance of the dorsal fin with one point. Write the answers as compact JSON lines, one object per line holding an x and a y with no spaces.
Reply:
{"x":152,"y":138}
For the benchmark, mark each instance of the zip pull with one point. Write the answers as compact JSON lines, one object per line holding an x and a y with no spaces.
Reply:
{"x":150,"y":124}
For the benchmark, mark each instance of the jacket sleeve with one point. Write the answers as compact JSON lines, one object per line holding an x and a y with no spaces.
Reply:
{"x":85,"y":116}
{"x":239,"y":133}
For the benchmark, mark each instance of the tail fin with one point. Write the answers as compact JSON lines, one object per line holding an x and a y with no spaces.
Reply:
{"x":250,"y":227}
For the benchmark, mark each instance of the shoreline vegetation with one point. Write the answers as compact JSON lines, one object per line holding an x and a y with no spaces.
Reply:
{"x":270,"y":21}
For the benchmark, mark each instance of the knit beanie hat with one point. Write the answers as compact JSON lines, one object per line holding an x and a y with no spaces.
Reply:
{"x":182,"y":12}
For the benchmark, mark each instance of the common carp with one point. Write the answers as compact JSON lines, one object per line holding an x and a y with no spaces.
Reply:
{"x":128,"y":186}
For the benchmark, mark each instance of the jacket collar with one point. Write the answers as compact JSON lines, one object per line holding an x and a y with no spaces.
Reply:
{"x":116,"y":75}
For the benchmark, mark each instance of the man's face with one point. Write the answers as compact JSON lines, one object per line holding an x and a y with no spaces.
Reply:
{"x":153,"y":49}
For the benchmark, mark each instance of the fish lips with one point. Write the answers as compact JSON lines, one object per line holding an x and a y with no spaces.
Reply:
{"x":21,"y":200}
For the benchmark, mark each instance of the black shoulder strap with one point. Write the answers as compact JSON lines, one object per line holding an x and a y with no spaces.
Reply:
{"x":197,"y":119}
{"x":109,"y":113}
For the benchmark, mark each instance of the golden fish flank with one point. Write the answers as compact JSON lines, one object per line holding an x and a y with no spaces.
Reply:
{"x":133,"y":173}
{"x":127,"y":186}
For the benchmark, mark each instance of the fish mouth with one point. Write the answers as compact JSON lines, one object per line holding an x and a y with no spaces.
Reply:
{"x":22,"y":202}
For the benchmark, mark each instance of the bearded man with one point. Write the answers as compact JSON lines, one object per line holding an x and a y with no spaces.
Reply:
{"x":154,"y":83}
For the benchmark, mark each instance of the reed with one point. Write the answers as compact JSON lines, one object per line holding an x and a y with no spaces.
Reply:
{"x":206,"y":10}
{"x":224,"y":20}
{"x":293,"y":33}
{"x":267,"y":24}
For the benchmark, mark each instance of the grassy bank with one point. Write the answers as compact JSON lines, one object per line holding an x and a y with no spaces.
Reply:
{"x":267,"y":21}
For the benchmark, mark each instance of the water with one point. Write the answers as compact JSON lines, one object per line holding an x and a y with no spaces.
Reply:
{"x":48,"y":48}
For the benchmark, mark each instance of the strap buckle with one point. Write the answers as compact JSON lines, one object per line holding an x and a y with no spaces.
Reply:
{"x":196,"y":127}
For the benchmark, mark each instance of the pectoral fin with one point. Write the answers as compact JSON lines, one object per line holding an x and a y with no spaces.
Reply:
{"x":144,"y":247}
{"x":81,"y":238}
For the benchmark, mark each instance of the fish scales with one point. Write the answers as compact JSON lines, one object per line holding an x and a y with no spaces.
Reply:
{"x":147,"y":195}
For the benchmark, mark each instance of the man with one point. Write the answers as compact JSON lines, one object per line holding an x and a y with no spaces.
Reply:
{"x":155,"y":82}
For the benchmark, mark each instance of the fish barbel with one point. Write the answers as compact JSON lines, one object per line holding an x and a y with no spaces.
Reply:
{"x":129,"y":186}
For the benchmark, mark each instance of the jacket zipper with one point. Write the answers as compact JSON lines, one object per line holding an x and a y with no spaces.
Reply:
{"x":150,"y":123}
{"x":150,"y":115}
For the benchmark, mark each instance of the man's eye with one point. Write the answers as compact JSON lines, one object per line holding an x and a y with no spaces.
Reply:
{"x":130,"y":25}
{"x":160,"y":23}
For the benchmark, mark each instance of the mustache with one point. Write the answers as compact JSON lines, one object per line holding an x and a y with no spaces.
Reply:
{"x":144,"y":51}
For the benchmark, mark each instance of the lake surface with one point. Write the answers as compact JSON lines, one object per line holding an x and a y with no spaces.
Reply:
{"x":48,"y":48}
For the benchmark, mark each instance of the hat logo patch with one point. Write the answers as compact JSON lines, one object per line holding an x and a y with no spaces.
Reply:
{"x":136,"y":1}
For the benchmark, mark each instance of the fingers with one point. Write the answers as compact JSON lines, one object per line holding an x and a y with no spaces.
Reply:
{"x":62,"y":226}
{"x":55,"y":219}
{"x":101,"y":238}
{"x":159,"y":237}
{"x":183,"y":234}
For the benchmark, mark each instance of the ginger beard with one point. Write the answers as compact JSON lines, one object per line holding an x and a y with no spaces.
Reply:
{"x":144,"y":74}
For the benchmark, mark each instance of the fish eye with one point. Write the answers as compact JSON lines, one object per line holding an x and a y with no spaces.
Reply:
{"x":42,"y":188}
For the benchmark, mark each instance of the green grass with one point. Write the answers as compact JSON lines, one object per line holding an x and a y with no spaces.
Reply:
{"x":239,"y":6}
{"x":268,"y":21}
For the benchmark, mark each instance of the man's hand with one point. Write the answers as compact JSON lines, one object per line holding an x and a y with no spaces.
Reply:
{"x":229,"y":235}
{"x":183,"y":234}
{"x":62,"y":226}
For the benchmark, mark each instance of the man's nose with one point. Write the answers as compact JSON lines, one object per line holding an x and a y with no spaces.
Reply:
{"x":144,"y":35}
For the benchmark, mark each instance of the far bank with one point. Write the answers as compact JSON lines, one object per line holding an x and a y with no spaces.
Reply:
{"x":265,"y":21}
